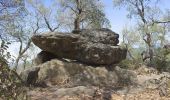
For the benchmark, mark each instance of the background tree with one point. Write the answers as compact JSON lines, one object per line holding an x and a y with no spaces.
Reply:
{"x":16,"y":27}
{"x":48,"y":15}
{"x":9,"y":78}
{"x":10,"y":10}
{"x":147,"y":17}
{"x":85,"y":13}
{"x":131,"y":41}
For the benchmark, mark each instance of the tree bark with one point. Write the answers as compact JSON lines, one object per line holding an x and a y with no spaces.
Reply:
{"x":78,"y":15}
{"x":148,"y":41}
{"x":77,"y":24}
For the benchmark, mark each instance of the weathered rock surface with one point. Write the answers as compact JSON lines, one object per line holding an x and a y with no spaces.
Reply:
{"x":95,"y":47}
{"x":74,"y":93}
{"x":89,"y":93}
{"x":92,"y":83}
{"x":71,"y":80}
{"x":30,"y":76}
{"x":104,"y":36}
{"x":62,"y":73}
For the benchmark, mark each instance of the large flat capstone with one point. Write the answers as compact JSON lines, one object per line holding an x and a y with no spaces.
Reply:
{"x":90,"y":46}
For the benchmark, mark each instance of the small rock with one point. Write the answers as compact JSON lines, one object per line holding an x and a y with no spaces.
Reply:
{"x":30,"y":76}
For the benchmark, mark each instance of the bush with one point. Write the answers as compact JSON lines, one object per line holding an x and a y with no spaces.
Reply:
{"x":11,"y":87}
{"x":161,"y":61}
{"x":130,"y":64}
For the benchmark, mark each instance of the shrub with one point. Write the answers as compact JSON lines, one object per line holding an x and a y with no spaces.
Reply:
{"x":11,"y":87}
{"x":130,"y":63}
{"x":161,"y":61}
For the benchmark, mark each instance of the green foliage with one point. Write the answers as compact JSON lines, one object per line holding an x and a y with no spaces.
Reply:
{"x":151,"y":26}
{"x":97,"y":18}
{"x":161,"y":61}
{"x":89,"y":12}
{"x":4,"y":54}
{"x":10,"y":86}
{"x":10,"y":9}
{"x":130,"y":63}
{"x":10,"y":82}
{"x":158,"y":63}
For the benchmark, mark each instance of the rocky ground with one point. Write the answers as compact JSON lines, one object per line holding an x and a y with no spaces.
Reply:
{"x":48,"y":94}
{"x":151,"y":86}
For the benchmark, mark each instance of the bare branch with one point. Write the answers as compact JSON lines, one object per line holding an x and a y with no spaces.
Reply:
{"x":20,"y":40}
{"x":71,"y":8}
{"x":37,"y":27}
{"x":141,"y":10}
{"x":23,"y":50}
{"x":162,"y":22}
{"x":48,"y":25}
{"x":56,"y":27}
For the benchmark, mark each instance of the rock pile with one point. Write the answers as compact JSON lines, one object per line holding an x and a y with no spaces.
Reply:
{"x":81,"y":58}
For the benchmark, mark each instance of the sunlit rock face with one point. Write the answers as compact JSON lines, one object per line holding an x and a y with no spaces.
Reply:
{"x":89,"y":46}
{"x":61,"y":73}
{"x":58,"y":72}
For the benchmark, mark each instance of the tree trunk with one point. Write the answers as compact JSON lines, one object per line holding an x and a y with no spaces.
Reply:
{"x":130,"y":54}
{"x":78,"y":15}
{"x":77,"y":24}
{"x":16,"y":62}
{"x":149,"y":44}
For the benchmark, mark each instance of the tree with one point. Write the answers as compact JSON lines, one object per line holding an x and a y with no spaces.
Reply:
{"x":48,"y":15}
{"x":10,"y":10}
{"x":23,"y":48}
{"x":130,"y":41}
{"x":86,"y":13}
{"x":17,"y":28}
{"x":20,"y":32}
{"x":147,"y":17}
{"x":9,"y":78}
